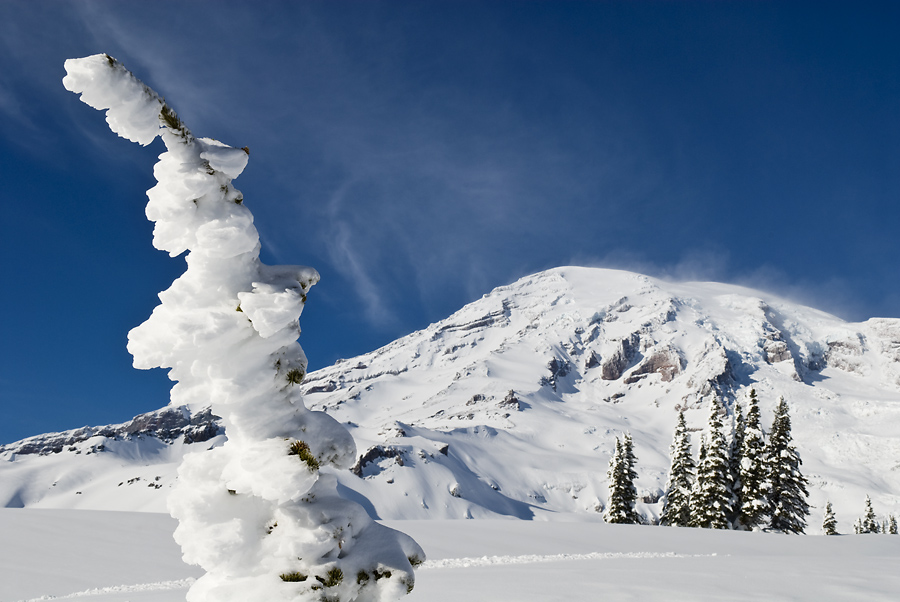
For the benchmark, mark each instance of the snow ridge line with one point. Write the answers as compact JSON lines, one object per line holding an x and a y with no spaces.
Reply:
{"x":456,"y":563}
{"x":116,"y":589}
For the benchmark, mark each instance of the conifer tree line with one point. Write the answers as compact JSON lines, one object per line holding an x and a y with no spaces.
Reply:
{"x":868,"y":522}
{"x":741,"y":479}
{"x":745,"y":483}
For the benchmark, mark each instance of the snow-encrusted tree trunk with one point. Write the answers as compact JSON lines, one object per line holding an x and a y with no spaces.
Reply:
{"x":676,"y":510}
{"x":260,"y":513}
{"x":711,"y":499}
{"x":787,"y":493}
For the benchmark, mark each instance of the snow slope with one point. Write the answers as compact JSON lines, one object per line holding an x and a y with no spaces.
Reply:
{"x":510,"y":407}
{"x":99,"y":556}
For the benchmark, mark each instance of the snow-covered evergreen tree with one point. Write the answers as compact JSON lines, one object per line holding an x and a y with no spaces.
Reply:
{"x":787,"y":493}
{"x":711,"y":499}
{"x":857,"y":526}
{"x":754,"y":503}
{"x":260,"y":514}
{"x":735,"y":450}
{"x":696,"y":498}
{"x":676,"y":511}
{"x":892,"y":525}
{"x":829,"y":522}
{"x":622,"y":492}
{"x":869,"y":523}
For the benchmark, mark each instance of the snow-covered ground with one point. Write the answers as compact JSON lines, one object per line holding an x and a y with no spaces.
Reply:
{"x":103,"y":556}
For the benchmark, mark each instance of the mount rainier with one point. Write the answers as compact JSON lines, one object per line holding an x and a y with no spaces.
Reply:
{"x":510,"y":407}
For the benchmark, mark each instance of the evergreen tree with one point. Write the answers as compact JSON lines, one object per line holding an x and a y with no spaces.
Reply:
{"x":892,"y":525}
{"x":754,"y":503}
{"x":622,"y":492}
{"x":829,"y":523}
{"x":857,"y":526}
{"x":261,"y":513}
{"x":788,"y":493}
{"x":868,"y":523}
{"x":696,"y":500}
{"x":676,"y":510}
{"x":738,"y":428}
{"x":711,"y":499}
{"x":630,"y":476}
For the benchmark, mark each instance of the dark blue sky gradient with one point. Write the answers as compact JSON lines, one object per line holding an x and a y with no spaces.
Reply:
{"x":419,"y":154}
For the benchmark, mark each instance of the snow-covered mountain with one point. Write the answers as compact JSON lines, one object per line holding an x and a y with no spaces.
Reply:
{"x":511,"y":405}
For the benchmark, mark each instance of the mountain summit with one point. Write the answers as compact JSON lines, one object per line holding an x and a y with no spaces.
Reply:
{"x":511,"y":406}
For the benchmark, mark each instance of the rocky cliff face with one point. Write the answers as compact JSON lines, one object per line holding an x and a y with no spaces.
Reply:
{"x":511,"y":406}
{"x":168,"y":425}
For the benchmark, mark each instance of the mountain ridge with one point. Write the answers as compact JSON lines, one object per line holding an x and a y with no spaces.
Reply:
{"x":511,"y":405}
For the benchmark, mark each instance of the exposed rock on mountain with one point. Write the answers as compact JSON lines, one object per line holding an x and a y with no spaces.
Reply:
{"x":168,"y":425}
{"x":514,"y":402}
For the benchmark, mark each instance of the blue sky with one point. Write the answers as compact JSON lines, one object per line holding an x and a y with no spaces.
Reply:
{"x":419,"y":154}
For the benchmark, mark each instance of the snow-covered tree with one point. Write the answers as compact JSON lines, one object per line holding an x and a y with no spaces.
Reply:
{"x":829,"y":522}
{"x":869,"y":523}
{"x":260,"y":514}
{"x":711,"y":499}
{"x":676,"y":511}
{"x":787,"y":493}
{"x":754,"y":503}
{"x":892,"y":525}
{"x":622,"y":492}
{"x":735,"y":449}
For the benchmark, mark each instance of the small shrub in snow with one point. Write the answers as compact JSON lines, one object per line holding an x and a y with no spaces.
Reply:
{"x":301,"y":449}
{"x":295,"y":376}
{"x":332,"y":578}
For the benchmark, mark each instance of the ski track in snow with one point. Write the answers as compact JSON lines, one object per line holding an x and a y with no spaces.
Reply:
{"x":456,"y":563}
{"x":117,"y":589}
{"x":444,"y":563}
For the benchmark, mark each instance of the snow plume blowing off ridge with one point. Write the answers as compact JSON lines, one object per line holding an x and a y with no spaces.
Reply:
{"x":260,"y":514}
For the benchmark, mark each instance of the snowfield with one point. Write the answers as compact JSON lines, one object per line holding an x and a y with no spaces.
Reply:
{"x":588,"y":354}
{"x":109,"y":556}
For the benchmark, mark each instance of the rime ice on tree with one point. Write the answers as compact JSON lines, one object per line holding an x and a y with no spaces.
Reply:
{"x":260,"y":514}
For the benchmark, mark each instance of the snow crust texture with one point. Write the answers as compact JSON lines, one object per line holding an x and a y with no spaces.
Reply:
{"x":128,"y":556}
{"x":259,"y":513}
